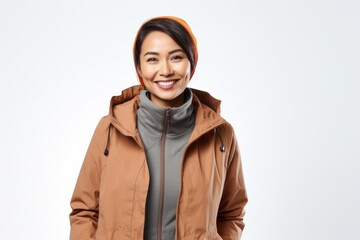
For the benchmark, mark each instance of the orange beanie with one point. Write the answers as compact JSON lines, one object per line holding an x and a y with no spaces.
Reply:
{"x":188,"y":29}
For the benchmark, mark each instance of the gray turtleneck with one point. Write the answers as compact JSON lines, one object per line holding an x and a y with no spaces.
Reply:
{"x":165,"y":133}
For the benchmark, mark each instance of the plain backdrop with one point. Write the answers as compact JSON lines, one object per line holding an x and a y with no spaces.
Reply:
{"x":287,"y":73}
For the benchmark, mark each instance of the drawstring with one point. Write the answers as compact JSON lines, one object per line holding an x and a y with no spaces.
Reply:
{"x":222,"y":147}
{"x":106,"y":151}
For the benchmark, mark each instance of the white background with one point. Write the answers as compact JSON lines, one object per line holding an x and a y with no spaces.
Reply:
{"x":287,"y":72}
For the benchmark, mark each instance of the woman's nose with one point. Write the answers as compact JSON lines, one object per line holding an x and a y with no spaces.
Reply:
{"x":165,"y":69}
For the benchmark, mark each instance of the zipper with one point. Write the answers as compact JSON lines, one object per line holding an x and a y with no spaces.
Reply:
{"x":162,"y":172}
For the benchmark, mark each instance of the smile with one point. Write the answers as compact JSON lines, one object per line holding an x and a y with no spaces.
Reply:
{"x":166,"y":83}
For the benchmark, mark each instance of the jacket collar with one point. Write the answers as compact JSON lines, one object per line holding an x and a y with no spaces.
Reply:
{"x":123,"y":111}
{"x":151,"y":118}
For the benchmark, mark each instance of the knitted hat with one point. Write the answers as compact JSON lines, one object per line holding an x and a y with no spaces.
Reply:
{"x":187,"y":28}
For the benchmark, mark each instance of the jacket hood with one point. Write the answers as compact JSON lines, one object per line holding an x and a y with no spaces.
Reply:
{"x":134,"y":91}
{"x":126,"y":95}
{"x":208,"y":100}
{"x":123,"y":109}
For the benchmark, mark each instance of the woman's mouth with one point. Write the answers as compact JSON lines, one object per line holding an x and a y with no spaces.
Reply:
{"x":166,"y":84}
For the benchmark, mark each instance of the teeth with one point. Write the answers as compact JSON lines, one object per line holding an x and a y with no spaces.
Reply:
{"x":166,"y":83}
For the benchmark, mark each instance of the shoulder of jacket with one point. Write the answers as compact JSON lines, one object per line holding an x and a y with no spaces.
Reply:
{"x":104,"y":122}
{"x":227,"y":131}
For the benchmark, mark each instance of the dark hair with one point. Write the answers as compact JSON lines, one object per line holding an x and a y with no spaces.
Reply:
{"x":175,"y":30}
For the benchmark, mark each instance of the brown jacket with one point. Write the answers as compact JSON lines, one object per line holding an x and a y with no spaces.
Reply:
{"x":110,"y":194}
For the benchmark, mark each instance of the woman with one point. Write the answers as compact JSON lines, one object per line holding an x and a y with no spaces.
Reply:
{"x":163,"y":164}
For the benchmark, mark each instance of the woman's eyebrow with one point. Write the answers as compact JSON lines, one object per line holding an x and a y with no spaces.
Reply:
{"x":151,"y":53}
{"x":176,"y":50}
{"x":171,"y":52}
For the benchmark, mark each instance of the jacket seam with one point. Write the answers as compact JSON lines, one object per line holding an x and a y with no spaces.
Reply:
{"x":133,"y":203}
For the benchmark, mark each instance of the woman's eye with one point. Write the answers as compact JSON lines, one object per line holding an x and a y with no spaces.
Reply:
{"x":151,"y":59}
{"x":177,"y":57}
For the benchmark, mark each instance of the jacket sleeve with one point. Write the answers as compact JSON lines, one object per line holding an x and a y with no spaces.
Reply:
{"x":231,"y":212}
{"x":85,"y":198}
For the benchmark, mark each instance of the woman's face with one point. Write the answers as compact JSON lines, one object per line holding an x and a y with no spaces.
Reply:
{"x":164,"y":68}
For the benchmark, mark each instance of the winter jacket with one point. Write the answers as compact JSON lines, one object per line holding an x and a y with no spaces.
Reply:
{"x":109,"y":198}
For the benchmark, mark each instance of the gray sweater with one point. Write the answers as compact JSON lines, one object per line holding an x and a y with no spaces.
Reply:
{"x":165,"y":133}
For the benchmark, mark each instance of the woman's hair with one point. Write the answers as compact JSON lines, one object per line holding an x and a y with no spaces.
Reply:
{"x":172,"y":28}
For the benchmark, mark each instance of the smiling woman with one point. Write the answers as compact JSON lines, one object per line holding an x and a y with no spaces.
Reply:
{"x":164,"y":69}
{"x":163,"y":164}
